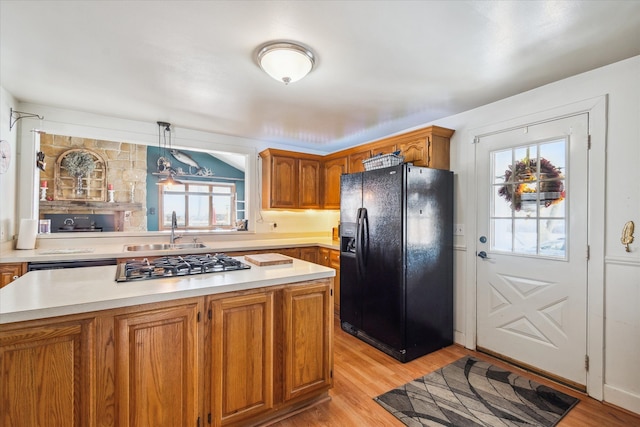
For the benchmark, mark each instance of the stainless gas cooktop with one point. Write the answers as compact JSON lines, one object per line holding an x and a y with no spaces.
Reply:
{"x":172,"y":266}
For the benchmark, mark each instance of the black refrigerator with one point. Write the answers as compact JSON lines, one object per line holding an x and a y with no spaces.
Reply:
{"x":396,"y":259}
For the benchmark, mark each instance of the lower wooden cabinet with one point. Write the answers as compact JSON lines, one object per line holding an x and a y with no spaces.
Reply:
{"x":10,"y":272}
{"x":309,"y":254}
{"x":307,"y":348}
{"x":239,"y":358}
{"x":46,"y":373}
{"x":331,"y":258}
{"x":240,"y":349}
{"x":334,"y":262}
{"x":157,"y":366}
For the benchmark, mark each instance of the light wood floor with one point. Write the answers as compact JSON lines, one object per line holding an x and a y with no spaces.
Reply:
{"x":362,"y":372}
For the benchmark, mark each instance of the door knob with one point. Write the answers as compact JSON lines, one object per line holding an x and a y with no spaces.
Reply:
{"x":483,"y":255}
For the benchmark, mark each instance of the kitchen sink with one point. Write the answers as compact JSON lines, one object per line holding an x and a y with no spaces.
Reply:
{"x":163,"y":247}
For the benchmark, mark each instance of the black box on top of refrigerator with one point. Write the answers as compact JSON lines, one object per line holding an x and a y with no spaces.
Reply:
{"x":396,"y":259}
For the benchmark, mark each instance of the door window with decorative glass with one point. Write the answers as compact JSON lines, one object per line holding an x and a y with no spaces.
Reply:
{"x":198,"y":205}
{"x":528,"y":207}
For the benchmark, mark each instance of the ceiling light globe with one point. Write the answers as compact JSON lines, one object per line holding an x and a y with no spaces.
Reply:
{"x":286,"y":62}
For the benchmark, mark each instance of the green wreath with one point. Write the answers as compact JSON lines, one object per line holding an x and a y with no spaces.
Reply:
{"x":79,"y":163}
{"x":518,"y":176}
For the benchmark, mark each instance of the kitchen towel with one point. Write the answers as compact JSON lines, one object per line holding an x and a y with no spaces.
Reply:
{"x":27,"y":234}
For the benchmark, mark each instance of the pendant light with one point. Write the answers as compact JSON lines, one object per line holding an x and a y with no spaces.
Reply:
{"x":164,"y":165}
{"x":286,"y":62}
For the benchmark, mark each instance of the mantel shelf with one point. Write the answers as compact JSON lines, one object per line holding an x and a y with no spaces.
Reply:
{"x":84,"y":204}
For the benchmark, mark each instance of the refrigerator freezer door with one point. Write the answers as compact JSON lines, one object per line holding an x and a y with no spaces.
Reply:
{"x":350,"y":286}
{"x":350,"y":198}
{"x":383,"y":302}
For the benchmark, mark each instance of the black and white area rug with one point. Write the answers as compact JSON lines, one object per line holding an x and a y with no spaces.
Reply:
{"x":470,"y":393}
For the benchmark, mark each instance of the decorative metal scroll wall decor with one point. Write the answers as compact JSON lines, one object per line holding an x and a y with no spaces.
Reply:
{"x":14,"y":116}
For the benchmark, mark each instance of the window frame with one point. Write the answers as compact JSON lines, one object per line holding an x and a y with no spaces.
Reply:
{"x":211,"y":184}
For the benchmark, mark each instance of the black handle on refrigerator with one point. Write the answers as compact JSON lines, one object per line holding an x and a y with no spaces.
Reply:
{"x":365,"y":238}
{"x":362,"y":242}
{"x":359,"y":267}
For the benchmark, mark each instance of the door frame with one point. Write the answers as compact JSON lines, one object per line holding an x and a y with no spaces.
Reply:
{"x":597,"y":111}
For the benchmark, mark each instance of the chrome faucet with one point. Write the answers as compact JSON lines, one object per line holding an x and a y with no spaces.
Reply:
{"x":174,"y":225}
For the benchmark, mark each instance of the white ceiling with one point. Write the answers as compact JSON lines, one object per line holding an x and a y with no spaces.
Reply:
{"x":383,"y":66}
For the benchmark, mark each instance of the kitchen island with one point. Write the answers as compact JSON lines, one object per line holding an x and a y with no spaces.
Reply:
{"x":245,"y":347}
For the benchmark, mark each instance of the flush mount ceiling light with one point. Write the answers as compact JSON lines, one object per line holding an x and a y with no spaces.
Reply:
{"x":286,"y":62}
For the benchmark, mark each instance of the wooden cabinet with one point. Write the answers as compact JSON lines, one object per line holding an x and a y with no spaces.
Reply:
{"x":309,"y":184}
{"x":355,"y":160}
{"x":293,"y":180}
{"x":290,"y":180}
{"x":241,"y":353}
{"x":309,"y":254}
{"x":46,"y":374}
{"x":157,"y":366}
{"x":331,"y":258}
{"x":333,"y":170}
{"x":426,"y":147}
{"x":238,"y":358}
{"x":307,"y":348}
{"x":292,"y":252}
{"x":10,"y":272}
{"x":334,"y":262}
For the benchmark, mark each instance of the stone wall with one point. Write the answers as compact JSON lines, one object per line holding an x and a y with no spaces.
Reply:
{"x":126,"y":169}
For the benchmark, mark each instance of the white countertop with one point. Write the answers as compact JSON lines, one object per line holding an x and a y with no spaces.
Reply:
{"x":75,"y":249}
{"x":50,"y":293}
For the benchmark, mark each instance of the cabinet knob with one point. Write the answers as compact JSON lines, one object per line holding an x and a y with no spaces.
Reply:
{"x":14,"y":277}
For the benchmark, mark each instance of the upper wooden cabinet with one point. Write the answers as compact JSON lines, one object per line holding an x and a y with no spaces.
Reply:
{"x":427,"y":147}
{"x":355,"y":160}
{"x":290,"y":180}
{"x":310,"y":184}
{"x":333,"y":168}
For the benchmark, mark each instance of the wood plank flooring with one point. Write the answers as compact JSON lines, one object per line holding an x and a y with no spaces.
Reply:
{"x":362,"y":372}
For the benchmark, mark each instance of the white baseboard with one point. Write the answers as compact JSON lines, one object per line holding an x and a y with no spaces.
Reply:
{"x":459,"y":338}
{"x":621,"y":398}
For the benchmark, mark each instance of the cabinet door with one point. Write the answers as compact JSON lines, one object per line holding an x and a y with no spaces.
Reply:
{"x":46,"y":377}
{"x":355,"y":161}
{"x":309,"y":254}
{"x":157,"y":367}
{"x":415,"y":151}
{"x":9,"y":272}
{"x":292,"y":252}
{"x":309,"y":184}
{"x":333,"y":169}
{"x":307,"y":339}
{"x":323,"y":256}
{"x":284,"y":182}
{"x":334,"y":262}
{"x":241,"y":353}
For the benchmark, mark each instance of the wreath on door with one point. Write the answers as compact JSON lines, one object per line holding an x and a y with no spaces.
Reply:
{"x":519,"y":177}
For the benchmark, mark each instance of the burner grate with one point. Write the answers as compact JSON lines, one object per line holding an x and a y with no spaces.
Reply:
{"x":172,"y":266}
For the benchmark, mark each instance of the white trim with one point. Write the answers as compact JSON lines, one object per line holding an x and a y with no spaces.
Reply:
{"x":597,"y":110}
{"x":627,"y":262}
{"x":623,"y":398}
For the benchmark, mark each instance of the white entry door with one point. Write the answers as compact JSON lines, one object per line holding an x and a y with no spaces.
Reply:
{"x":532,"y":246}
